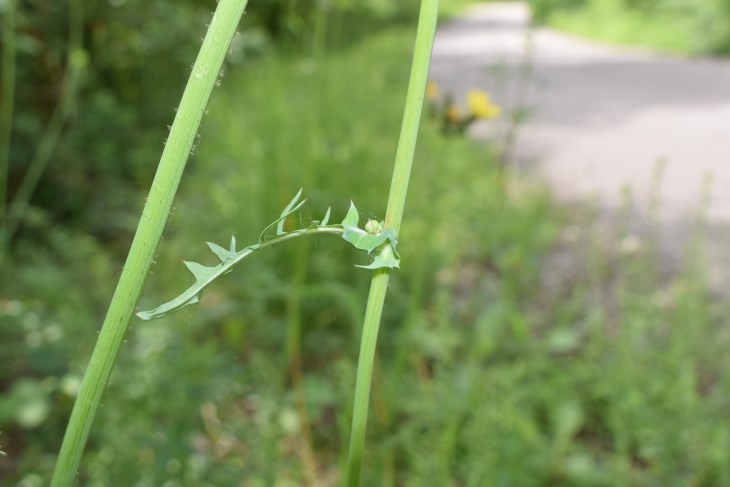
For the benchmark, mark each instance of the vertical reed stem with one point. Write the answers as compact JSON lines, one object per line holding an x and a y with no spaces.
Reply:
{"x":152,"y":223}
{"x":393,"y":216}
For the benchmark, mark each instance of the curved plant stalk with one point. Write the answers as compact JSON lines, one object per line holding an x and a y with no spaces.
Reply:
{"x":204,"y":275}
{"x":368,"y":239}
{"x":154,"y":216}
{"x":393,"y":216}
{"x":75,"y":63}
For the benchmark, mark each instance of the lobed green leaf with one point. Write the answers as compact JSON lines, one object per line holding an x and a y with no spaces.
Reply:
{"x":204,"y":276}
{"x":385,"y":243}
{"x":358,"y":237}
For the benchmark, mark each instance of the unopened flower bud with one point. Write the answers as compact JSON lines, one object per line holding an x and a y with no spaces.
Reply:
{"x":373,"y":227}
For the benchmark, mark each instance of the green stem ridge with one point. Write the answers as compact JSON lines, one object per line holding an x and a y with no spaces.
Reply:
{"x":149,"y":232}
{"x":393,"y":216}
{"x":412,"y":114}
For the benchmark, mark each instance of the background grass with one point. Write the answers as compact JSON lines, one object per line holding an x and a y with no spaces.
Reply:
{"x":687,"y":27}
{"x":611,"y":21}
{"x":521,"y":344}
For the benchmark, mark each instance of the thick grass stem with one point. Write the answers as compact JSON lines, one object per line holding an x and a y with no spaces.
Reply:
{"x":393,"y":216}
{"x":154,"y":216}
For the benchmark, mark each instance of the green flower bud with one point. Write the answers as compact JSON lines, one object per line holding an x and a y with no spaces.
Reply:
{"x":373,"y":227}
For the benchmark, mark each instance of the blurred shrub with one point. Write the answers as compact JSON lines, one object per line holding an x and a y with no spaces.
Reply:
{"x":133,"y":60}
{"x":296,"y":22}
{"x":541,"y":9}
{"x":708,"y":20}
{"x":204,"y":396}
{"x":114,"y":131}
{"x":496,"y":366}
{"x":713,"y":21}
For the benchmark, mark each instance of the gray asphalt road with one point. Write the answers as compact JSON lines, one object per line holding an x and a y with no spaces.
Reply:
{"x":600,"y":117}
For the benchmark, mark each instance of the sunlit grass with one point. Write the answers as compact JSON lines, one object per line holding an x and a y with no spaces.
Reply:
{"x":611,"y":21}
{"x":451,"y":8}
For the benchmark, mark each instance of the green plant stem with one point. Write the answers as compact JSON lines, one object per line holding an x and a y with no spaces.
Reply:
{"x":383,"y":419}
{"x":393,"y":216}
{"x":412,"y":114}
{"x":186,"y":298}
{"x":152,"y":223}
{"x":75,"y":62}
{"x":9,"y":53}
{"x":371,"y":324}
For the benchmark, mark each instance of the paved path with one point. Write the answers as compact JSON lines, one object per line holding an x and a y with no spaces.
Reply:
{"x":600,"y":117}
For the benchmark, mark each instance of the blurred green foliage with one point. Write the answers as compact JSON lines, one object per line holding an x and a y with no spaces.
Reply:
{"x":113,"y":132}
{"x":117,"y":124}
{"x":516,"y":349}
{"x":681,"y":26}
{"x":542,"y":9}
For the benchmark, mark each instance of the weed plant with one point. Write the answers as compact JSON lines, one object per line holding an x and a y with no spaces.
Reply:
{"x":184,"y":129}
{"x":676,"y":26}
{"x":519,"y":346}
{"x":379,"y":238}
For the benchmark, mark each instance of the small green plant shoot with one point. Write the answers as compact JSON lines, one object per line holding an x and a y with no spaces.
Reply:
{"x":371,"y":238}
{"x":378,"y":238}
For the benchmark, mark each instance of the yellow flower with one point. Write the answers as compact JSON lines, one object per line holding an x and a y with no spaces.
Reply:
{"x":481,"y":106}
{"x":453,"y":114}
{"x":432,"y":91}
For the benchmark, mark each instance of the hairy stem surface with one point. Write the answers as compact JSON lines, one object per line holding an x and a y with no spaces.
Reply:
{"x":152,"y":223}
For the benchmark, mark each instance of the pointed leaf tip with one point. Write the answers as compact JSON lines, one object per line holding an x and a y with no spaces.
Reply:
{"x":288,"y":210}
{"x":205,"y":275}
{"x":180,"y":302}
{"x":352,"y":218}
{"x":223,"y":254}
{"x":200,"y":271}
{"x":388,"y":261}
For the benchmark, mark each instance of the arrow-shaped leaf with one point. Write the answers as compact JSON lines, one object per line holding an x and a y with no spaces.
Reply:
{"x":204,"y":275}
{"x":387,"y":257}
{"x":288,"y":210}
{"x":223,"y":254}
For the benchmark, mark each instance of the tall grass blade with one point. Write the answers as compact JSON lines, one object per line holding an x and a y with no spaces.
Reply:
{"x":394,"y":214}
{"x":152,"y":223}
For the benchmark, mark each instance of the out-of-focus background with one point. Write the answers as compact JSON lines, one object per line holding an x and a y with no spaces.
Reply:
{"x":560,"y":316}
